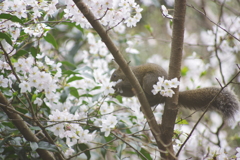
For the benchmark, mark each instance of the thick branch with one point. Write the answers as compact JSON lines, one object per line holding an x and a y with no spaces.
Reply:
{"x":22,"y":127}
{"x":170,"y":110}
{"x":125,"y":68}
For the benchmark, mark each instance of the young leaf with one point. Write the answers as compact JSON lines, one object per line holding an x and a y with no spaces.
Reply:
{"x":47,"y":146}
{"x":146,"y":154}
{"x":20,"y":53}
{"x":6,"y":37}
{"x":33,"y":146}
{"x":74,"y":78}
{"x":10,"y":17}
{"x":69,"y":72}
{"x":68,"y":64}
{"x":83,"y":147}
{"x":64,"y":94}
{"x":74,"y":92}
{"x":34,"y":51}
{"x":73,"y":109}
{"x":49,"y":38}
{"x":120,"y":148}
{"x":149,"y":28}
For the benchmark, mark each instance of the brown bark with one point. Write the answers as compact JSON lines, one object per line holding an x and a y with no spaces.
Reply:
{"x":170,"y":109}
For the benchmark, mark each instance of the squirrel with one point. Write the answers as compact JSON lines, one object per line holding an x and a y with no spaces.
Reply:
{"x":198,"y":99}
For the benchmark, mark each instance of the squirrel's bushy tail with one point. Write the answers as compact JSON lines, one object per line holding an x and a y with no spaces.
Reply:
{"x":226,"y":102}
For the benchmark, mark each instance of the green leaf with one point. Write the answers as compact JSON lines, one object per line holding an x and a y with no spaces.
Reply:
{"x":47,"y":146}
{"x":184,"y":71}
{"x":33,"y":146}
{"x":96,"y":88}
{"x":146,"y":154}
{"x":74,"y":78}
{"x":86,"y":95}
{"x":103,"y":151}
{"x":9,"y":124}
{"x":73,"y":109}
{"x":34,"y":96}
{"x":69,"y":72}
{"x":68,"y":64}
{"x":50,"y":39}
{"x":11,"y":18}
{"x":20,"y":53}
{"x":107,"y":139}
{"x":34,"y":51}
{"x":96,"y":97}
{"x":120,"y":148}
{"x":203,"y":73}
{"x":171,"y":23}
{"x":181,"y":121}
{"x":149,"y":28}
{"x":64,"y":94}
{"x":83,"y":147}
{"x":6,"y":37}
{"x":74,"y":92}
{"x":119,"y":98}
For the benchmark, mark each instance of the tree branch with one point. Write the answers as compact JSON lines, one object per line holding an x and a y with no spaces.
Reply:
{"x":171,"y":108}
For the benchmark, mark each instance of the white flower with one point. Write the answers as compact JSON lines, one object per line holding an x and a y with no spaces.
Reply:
{"x":3,"y":82}
{"x":169,"y":92}
{"x":40,"y":56}
{"x":238,"y":152}
{"x":167,"y":84}
{"x":105,"y":108}
{"x":48,"y":61}
{"x":20,"y":65}
{"x":165,"y":12}
{"x":107,"y":88}
{"x":164,"y":87}
{"x":33,"y":80}
{"x":158,"y":87}
{"x":110,"y":121}
{"x":69,"y":152}
{"x":106,"y":130}
{"x":174,"y":83}
{"x":25,"y":86}
{"x":58,"y":130}
{"x":38,"y":101}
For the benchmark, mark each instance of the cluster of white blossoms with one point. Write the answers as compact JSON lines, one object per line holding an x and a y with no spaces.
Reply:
{"x":109,"y":12}
{"x":33,"y":76}
{"x":22,"y":8}
{"x":73,"y":133}
{"x":164,"y":87}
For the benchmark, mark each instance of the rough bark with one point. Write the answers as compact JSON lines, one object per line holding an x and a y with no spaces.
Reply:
{"x":170,"y":109}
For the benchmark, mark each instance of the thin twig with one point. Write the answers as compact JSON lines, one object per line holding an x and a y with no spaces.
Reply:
{"x":115,"y":25}
{"x":191,"y":6}
{"x":129,"y":145}
{"x":92,"y":148}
